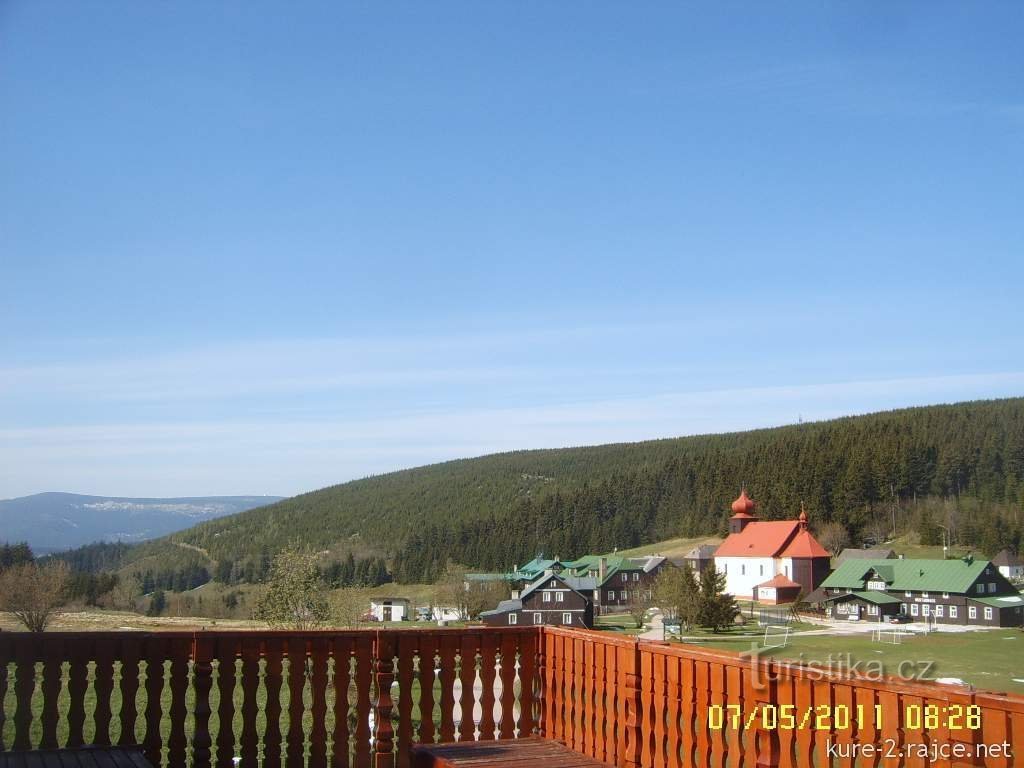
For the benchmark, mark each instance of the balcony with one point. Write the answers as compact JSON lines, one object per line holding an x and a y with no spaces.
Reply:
{"x":365,"y":697}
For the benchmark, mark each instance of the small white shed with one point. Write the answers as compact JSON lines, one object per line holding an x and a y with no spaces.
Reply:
{"x":389,"y":608}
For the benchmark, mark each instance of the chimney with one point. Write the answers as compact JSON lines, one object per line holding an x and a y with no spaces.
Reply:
{"x":602,"y":569}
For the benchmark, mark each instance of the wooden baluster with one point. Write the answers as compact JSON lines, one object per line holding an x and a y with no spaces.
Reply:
{"x":406,"y":660}
{"x":579,"y":698}
{"x":341,"y":650}
{"x":488,"y":668}
{"x":52,"y":653}
{"x":915,"y":734}
{"x":179,"y":654}
{"x":6,"y":653}
{"x":785,"y":690}
{"x":702,"y":701}
{"x":467,"y":684}
{"x":569,"y":689}
{"x":612,"y":725}
{"x":736,"y":694}
{"x":658,"y":688}
{"x":673,"y":696}
{"x":549,"y":724}
{"x":589,"y":707}
{"x":1016,"y":736}
{"x":766,"y":695}
{"x":129,"y":689}
{"x":384,"y":666}
{"x":995,"y":726}
{"x":202,"y":670}
{"x":296,"y":706}
{"x":843,"y":702}
{"x":364,"y":679}
{"x":647,"y":735}
{"x":691,"y":718}
{"x":823,"y":701}
{"x":937,"y":735}
{"x":716,"y":679}
{"x":78,"y":682}
{"x":250,"y":739}
{"x":601,"y":713}
{"x":508,"y":692}
{"x":103,"y":686}
{"x":154,"y":653}
{"x":428,"y":653}
{"x":629,"y":669}
{"x":528,"y":649}
{"x":804,"y":697}
{"x":272,"y":737}
{"x":24,"y":687}
{"x":225,"y":652}
{"x":447,"y":678}
{"x":318,"y":707}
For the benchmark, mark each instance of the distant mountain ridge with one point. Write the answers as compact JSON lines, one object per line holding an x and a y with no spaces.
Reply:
{"x":54,"y":521}
{"x":493,"y":511}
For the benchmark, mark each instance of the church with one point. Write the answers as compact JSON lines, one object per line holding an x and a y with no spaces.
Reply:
{"x":771,"y":561}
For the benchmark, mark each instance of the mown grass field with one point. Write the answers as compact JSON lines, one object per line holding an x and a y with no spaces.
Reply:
{"x":990,"y":659}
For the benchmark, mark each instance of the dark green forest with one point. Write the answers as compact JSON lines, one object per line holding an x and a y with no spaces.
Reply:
{"x":494,"y":511}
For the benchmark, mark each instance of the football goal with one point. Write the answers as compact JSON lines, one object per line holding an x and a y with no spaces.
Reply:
{"x":775,"y":636}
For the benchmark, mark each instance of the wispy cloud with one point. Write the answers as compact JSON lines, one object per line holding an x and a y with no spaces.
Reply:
{"x":236,"y":456}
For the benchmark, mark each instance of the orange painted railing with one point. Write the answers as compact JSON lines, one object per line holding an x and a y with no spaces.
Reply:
{"x":363,"y":697}
{"x":655,"y":705}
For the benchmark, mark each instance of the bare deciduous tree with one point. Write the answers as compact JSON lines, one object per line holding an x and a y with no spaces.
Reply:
{"x":295,"y":592}
{"x":834,"y":537}
{"x":468,"y":597}
{"x":349,"y":606}
{"x":32,"y":593}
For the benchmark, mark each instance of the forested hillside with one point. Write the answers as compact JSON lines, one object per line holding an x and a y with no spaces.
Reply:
{"x":492,"y":511}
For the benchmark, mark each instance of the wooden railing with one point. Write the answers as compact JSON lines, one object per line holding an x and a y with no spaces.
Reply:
{"x":356,"y":698}
{"x":657,"y":705}
{"x":362,"y":698}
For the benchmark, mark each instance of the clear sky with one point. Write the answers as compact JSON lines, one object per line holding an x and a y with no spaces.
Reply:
{"x":255,"y":247}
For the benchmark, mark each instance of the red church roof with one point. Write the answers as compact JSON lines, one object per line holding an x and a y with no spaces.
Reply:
{"x":758,"y":539}
{"x":805,"y":545}
{"x":776,"y":538}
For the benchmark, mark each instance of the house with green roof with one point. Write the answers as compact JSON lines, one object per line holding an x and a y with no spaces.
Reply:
{"x":615,"y":582}
{"x":964,"y":591}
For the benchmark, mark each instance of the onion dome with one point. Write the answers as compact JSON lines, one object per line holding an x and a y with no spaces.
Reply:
{"x":744,"y":505}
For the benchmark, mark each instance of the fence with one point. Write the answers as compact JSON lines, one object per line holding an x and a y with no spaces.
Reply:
{"x":361,"y":698}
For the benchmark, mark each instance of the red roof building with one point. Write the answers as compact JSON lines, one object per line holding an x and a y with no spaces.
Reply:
{"x":757,"y":552}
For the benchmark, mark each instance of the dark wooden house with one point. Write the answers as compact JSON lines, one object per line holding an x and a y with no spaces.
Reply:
{"x":553,"y":600}
{"x":964,"y":591}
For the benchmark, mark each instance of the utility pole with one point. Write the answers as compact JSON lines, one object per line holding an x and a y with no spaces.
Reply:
{"x":892,"y":490}
{"x":945,"y":539}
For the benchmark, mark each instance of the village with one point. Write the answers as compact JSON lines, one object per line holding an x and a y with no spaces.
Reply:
{"x":762,"y":563}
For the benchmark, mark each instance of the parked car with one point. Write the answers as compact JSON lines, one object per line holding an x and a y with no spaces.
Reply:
{"x":899,"y":618}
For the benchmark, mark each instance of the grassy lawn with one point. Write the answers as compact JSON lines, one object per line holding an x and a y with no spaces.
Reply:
{"x":620,"y":623}
{"x":989,"y":660}
{"x":669,"y":547}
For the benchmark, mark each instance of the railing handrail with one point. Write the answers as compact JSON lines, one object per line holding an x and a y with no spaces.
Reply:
{"x":607,"y":696}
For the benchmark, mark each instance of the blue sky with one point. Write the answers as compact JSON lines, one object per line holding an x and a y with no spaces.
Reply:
{"x":266,"y":247}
